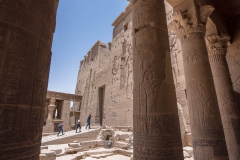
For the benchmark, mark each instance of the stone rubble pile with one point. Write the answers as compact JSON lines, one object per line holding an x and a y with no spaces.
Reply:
{"x":121,"y":139}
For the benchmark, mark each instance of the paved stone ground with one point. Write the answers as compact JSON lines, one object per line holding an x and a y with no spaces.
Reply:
{"x":66,"y":134}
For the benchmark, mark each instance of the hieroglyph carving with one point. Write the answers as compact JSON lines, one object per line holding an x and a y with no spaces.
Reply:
{"x":10,"y":92}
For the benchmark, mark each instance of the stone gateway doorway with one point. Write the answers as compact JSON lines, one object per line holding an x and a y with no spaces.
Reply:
{"x":101,"y":95}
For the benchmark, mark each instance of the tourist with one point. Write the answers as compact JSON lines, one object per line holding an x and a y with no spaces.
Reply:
{"x":78,"y":125}
{"x":88,"y":121}
{"x":60,"y":125}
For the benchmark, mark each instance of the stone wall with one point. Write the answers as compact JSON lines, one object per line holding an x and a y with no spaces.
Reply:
{"x":108,"y":69}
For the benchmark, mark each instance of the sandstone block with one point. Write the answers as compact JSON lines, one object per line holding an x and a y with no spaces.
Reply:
{"x":73,"y":144}
{"x":121,"y":145}
{"x":47,"y":155}
{"x":57,"y":151}
{"x":44,"y":147}
{"x":189,"y":151}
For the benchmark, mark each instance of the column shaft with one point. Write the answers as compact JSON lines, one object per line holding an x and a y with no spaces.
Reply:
{"x":233,"y":55}
{"x":225,"y":94}
{"x":26,"y":31}
{"x":206,"y":126}
{"x":156,"y":123}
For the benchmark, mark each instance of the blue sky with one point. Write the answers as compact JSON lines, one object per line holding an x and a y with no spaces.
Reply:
{"x":80,"y":24}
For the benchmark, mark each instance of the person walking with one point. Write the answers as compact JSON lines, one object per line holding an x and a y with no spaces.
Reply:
{"x":88,"y":121}
{"x":78,"y":125}
{"x":60,"y":125}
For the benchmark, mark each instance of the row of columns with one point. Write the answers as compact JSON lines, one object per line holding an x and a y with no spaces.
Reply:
{"x":214,"y":114}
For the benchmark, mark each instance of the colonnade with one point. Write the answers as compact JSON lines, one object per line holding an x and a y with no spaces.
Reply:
{"x":214,"y":113}
{"x":26,"y":31}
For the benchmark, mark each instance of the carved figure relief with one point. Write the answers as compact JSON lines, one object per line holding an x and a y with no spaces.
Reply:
{"x":115,"y":69}
{"x":85,"y":94}
{"x":129,"y":65}
{"x":229,"y":107}
{"x":233,"y":60}
{"x":199,"y":101}
{"x":93,"y":80}
{"x":151,"y":82}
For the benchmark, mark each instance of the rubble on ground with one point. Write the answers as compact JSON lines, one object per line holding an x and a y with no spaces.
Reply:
{"x":111,"y":142}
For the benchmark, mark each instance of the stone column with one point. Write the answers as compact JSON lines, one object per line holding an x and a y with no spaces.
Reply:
{"x":51,"y":109}
{"x":49,"y":128}
{"x":217,"y":49}
{"x":233,"y":54}
{"x":155,"y":115}
{"x":206,"y":126}
{"x":26,"y":32}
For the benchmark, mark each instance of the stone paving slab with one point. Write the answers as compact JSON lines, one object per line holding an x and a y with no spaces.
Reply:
{"x":66,"y":134}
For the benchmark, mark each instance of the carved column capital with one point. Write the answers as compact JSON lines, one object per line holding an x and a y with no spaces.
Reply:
{"x":217,"y":46}
{"x":233,"y":47}
{"x":192,"y":20}
{"x":52,"y":105}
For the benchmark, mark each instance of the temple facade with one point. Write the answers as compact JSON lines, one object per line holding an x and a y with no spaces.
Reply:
{"x":105,"y":77}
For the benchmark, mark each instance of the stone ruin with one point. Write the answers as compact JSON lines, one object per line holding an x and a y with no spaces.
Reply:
{"x":111,"y":141}
{"x":209,"y":35}
{"x":105,"y":78}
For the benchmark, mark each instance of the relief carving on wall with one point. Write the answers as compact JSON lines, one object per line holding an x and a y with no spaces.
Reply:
{"x":233,"y":59}
{"x":199,"y":101}
{"x":93,"y":80}
{"x":152,"y":77}
{"x":129,"y":65}
{"x":115,"y":69}
{"x":85,"y":94}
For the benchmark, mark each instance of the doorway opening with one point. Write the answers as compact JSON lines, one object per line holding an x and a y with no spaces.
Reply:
{"x":101,"y":95}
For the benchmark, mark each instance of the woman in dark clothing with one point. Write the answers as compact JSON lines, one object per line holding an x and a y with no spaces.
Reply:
{"x":88,"y":121}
